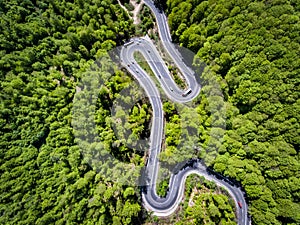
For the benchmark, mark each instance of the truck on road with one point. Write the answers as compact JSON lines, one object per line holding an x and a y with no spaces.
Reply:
{"x":187,"y":92}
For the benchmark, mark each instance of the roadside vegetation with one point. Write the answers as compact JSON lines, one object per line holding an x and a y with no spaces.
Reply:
{"x":146,"y":25}
{"x":177,"y":76}
{"x":203,"y":203}
{"x":144,"y":65}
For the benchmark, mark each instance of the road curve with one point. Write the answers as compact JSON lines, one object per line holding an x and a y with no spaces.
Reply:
{"x":166,"y":206}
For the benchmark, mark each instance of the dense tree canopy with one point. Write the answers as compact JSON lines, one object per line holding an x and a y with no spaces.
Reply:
{"x":251,"y":48}
{"x":45,"y":46}
{"x":254,"y":47}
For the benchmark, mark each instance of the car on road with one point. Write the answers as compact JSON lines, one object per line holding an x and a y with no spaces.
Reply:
{"x":240,"y":204}
{"x":171,"y":88}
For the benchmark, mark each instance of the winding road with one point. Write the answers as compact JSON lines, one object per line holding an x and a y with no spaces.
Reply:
{"x":168,"y":205}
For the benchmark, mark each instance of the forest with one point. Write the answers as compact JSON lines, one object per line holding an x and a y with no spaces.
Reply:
{"x":45,"y":46}
{"x":251,"y":47}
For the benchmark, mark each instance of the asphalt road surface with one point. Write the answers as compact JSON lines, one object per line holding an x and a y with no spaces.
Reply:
{"x":167,"y":205}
